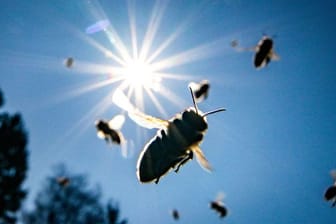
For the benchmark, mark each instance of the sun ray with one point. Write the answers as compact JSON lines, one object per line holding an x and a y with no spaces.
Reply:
{"x":172,"y":97}
{"x":132,"y":21}
{"x":156,"y":102}
{"x":154,"y":23}
{"x":191,"y":55}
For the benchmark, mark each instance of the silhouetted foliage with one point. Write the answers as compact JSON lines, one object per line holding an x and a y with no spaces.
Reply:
{"x":1,"y":98}
{"x":113,"y":214}
{"x":74,"y":202}
{"x":13,"y":164}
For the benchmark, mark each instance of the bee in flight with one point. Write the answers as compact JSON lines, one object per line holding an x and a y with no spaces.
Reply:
{"x":264,"y":51}
{"x":69,"y":62}
{"x":219,"y":206}
{"x":175,"y":214}
{"x":330,"y":193}
{"x":200,"y":90}
{"x":110,"y":131}
{"x":175,"y":143}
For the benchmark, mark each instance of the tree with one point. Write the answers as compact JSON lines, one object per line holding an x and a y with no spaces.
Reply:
{"x":13,"y":164}
{"x":67,"y":198}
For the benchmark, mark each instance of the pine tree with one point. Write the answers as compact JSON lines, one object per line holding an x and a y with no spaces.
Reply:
{"x":13,"y":164}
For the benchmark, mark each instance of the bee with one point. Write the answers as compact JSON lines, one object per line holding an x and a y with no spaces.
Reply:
{"x":69,"y":62}
{"x":200,"y":90}
{"x":63,"y":181}
{"x":264,"y":52}
{"x":219,"y":206}
{"x":175,"y":143}
{"x":175,"y":214}
{"x":109,"y":130}
{"x":330,"y":193}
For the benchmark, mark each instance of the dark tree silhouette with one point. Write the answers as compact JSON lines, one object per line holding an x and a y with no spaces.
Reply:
{"x":113,"y":214}
{"x":13,"y":164}
{"x":70,"y":201}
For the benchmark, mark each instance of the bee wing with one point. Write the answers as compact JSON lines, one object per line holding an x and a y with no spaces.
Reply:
{"x":202,"y":161}
{"x":117,"y":122}
{"x":101,"y":134}
{"x":333,"y":174}
{"x":220,"y":196}
{"x":147,"y":121}
{"x":274,"y":56}
{"x":144,"y":120}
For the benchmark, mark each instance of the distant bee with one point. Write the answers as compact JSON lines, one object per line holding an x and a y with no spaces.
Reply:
{"x":330,"y":193}
{"x":69,"y":62}
{"x":109,"y":130}
{"x":175,"y":214}
{"x":200,"y":90}
{"x":234,"y":43}
{"x":264,"y":52}
{"x":219,"y":206}
{"x":63,"y":181}
{"x":176,"y":142}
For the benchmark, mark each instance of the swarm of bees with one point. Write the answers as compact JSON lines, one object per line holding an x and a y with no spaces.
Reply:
{"x":330,"y":193}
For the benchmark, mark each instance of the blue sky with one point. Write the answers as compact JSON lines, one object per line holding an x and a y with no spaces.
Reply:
{"x":272,"y":149}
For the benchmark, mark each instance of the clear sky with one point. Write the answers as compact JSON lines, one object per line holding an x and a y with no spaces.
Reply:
{"x":272,"y":150}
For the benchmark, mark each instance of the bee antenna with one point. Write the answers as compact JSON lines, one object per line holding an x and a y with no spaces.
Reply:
{"x":213,"y":111}
{"x":193,"y":98}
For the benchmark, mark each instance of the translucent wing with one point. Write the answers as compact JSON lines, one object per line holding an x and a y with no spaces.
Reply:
{"x":333,"y":174}
{"x":101,"y":134}
{"x":147,"y":121}
{"x":274,"y":56}
{"x":144,"y":120}
{"x":220,"y":196}
{"x":202,"y":161}
{"x":117,"y":122}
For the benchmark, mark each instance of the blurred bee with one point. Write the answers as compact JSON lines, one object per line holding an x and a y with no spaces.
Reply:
{"x":200,"y":90}
{"x":69,"y":62}
{"x":219,"y":206}
{"x":175,"y":214}
{"x":109,"y":130}
{"x":264,"y":52}
{"x":63,"y":181}
{"x":176,"y":142}
{"x":330,"y":193}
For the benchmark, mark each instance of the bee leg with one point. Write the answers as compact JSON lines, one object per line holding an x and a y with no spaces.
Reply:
{"x":333,"y":204}
{"x":157,"y":180}
{"x":183,"y":161}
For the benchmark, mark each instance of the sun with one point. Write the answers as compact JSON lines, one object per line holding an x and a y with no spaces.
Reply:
{"x":140,"y":74}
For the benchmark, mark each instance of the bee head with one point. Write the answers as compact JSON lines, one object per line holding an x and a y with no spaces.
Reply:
{"x":195,"y":120}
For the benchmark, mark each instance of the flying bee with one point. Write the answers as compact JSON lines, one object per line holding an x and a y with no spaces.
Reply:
{"x":69,"y":62}
{"x":330,"y":193}
{"x":264,"y":52}
{"x":219,"y":206}
{"x":200,"y":90}
{"x":175,"y":214}
{"x":63,"y":181}
{"x":110,"y":131}
{"x":175,"y":143}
